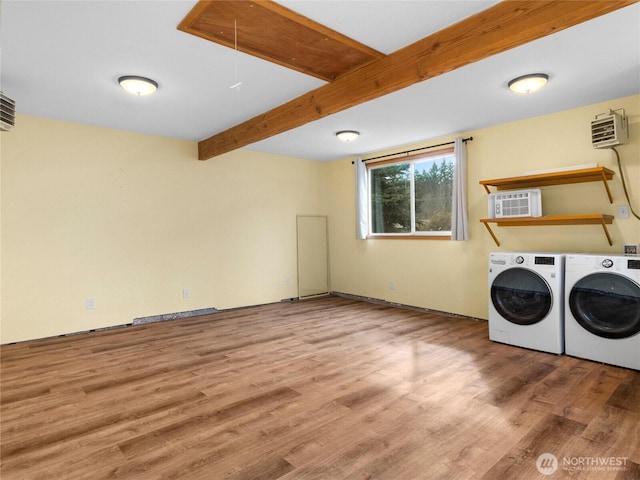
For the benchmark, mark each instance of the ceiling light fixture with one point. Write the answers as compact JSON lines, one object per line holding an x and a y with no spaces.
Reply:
{"x":138,"y":85}
{"x":528,"y":83}
{"x":347,"y":135}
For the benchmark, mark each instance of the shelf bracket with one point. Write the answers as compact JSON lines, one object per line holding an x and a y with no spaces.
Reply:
{"x":606,"y":232}
{"x":606,"y":187}
{"x":495,"y":239}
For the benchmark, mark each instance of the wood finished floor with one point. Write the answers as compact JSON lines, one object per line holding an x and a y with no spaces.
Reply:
{"x":328,"y":389}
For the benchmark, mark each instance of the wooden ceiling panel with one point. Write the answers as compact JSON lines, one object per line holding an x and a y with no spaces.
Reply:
{"x":270,"y":31}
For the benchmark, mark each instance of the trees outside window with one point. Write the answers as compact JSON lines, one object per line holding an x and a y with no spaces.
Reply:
{"x":412,"y":197}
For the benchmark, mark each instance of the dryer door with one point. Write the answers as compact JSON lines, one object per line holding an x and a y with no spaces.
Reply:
{"x":607,"y":305}
{"x":521,"y":296}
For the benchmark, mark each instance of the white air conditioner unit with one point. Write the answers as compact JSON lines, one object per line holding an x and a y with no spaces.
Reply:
{"x":609,"y":129}
{"x":7,"y":113}
{"x":516,"y":203}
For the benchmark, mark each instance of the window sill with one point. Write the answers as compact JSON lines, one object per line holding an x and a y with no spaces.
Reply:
{"x":408,"y":237}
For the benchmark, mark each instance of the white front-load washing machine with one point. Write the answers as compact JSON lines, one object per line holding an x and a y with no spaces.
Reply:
{"x":602,"y":312}
{"x":526,"y":306}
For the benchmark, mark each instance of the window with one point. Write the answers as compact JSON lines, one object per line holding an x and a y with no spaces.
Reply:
{"x":412,"y":196}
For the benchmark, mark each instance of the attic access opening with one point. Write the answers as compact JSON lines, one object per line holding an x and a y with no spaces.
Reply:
{"x":272,"y":32}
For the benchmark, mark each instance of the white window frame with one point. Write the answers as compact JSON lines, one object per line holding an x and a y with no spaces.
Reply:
{"x":411,"y":160}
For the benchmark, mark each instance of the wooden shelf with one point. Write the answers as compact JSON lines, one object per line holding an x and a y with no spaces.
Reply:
{"x":594,"y":174}
{"x":587,"y":219}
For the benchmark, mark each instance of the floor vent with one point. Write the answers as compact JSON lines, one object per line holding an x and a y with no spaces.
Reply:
{"x":174,"y":316}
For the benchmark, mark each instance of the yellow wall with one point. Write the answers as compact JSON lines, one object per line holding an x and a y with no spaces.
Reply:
{"x":131,"y":220}
{"x":452,"y":276}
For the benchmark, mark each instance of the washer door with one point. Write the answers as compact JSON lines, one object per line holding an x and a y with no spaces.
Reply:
{"x":607,"y":305}
{"x":521,"y":296}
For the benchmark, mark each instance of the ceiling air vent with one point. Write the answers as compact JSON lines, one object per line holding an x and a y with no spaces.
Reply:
{"x":7,"y":113}
{"x":609,"y":129}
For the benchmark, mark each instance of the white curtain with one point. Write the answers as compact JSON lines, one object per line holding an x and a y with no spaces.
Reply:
{"x":459,"y":214}
{"x":361,"y":200}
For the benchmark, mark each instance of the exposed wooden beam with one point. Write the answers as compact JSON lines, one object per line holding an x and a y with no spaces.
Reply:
{"x":506,"y":25}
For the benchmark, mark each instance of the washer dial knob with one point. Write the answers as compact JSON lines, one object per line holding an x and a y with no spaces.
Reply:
{"x":607,"y":263}
{"x":519,"y":260}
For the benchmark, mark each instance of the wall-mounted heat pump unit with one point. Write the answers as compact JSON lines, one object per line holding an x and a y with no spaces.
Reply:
{"x":516,"y":203}
{"x":7,"y":113}
{"x":609,"y":129}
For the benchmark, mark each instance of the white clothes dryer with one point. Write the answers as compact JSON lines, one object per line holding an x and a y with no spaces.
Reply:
{"x":526,"y":305}
{"x":602,"y":309}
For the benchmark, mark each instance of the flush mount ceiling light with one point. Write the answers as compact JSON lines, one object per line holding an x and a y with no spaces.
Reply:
{"x":528,"y":83}
{"x":347,"y":135}
{"x":138,"y":85}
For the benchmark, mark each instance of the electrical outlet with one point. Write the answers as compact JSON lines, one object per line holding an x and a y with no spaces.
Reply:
{"x":90,"y":303}
{"x":623,"y":212}
{"x":392,"y":285}
{"x":185,"y":293}
{"x":287,"y":280}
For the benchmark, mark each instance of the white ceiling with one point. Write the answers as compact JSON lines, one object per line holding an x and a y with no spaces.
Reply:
{"x":61,"y":60}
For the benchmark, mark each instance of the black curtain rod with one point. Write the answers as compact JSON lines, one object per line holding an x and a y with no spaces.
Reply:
{"x":365,"y":160}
